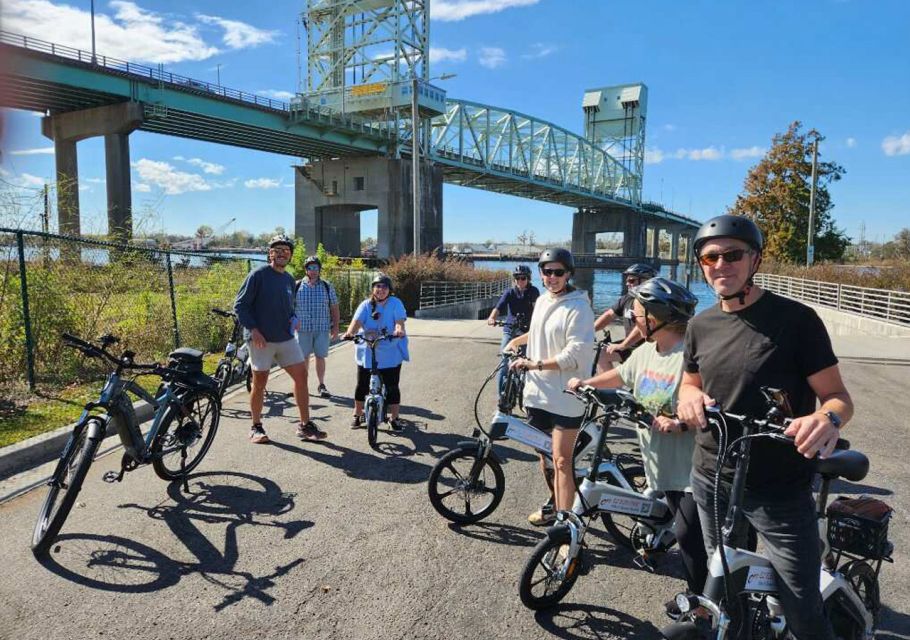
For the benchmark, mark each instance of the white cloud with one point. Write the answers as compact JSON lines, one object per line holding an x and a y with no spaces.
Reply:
{"x":653,"y":156}
{"x":453,"y":10}
{"x":239,"y":35}
{"x":275,"y":94}
{"x":28,"y":180}
{"x":896,"y":146}
{"x":126,"y":31}
{"x":750,"y":152}
{"x":141,"y":187}
{"x":708,"y":153}
{"x":207,"y":167}
{"x":669,"y":127}
{"x":539,"y":50}
{"x":441,"y":54}
{"x":851,"y":142}
{"x":262,"y":183}
{"x":33,"y":152}
{"x":492,"y":57}
{"x":165,"y":176}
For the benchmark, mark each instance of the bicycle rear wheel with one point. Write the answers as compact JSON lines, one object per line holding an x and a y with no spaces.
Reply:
{"x":619,"y":526}
{"x":183,"y":440}
{"x":64,"y":487}
{"x":457,"y":496}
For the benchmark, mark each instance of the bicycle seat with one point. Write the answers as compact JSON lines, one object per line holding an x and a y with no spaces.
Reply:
{"x":185,"y":354}
{"x":850,"y":465}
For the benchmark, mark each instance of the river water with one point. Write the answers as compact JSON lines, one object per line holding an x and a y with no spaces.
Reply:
{"x":607,"y":284}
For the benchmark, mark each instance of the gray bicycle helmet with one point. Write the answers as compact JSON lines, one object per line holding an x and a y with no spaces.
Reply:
{"x":667,"y":301}
{"x":522,"y":270}
{"x":383,"y":279}
{"x":729,"y":226}
{"x":312,"y":260}
{"x":281,"y":239}
{"x":562,"y":256}
{"x":640,"y":270}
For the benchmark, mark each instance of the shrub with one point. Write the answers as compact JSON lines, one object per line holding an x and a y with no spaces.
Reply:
{"x":408,"y":273}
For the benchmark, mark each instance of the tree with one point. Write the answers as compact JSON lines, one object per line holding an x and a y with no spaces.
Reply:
{"x":204,"y":231}
{"x":902,"y":243}
{"x":776,"y":196}
{"x":523,"y":237}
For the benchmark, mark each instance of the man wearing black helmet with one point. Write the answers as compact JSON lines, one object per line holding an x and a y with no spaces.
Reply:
{"x":755,"y":338}
{"x":265,"y":308}
{"x":661,"y":310}
{"x":622,"y":309}
{"x":316,"y":307}
{"x":517,"y":303}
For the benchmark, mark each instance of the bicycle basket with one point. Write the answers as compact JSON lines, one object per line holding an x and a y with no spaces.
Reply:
{"x":185,"y":360}
{"x":859,"y":526}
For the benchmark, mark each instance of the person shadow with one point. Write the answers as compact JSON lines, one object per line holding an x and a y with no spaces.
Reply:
{"x":586,"y":621}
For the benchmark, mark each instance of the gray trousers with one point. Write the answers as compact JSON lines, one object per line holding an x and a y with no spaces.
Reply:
{"x":788,"y":529}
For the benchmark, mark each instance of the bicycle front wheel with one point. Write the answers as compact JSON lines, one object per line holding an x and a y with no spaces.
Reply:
{"x":549,"y":573}
{"x":185,"y":436}
{"x":372,"y":425}
{"x":223,"y":373}
{"x":64,"y":488}
{"x":459,"y":497}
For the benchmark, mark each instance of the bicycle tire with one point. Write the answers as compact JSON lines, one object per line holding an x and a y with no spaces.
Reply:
{"x":620,"y":526}
{"x":460,"y":485}
{"x":546,"y":556}
{"x":249,"y":379}
{"x":196,"y":431}
{"x":862,"y":578}
{"x":372,"y":425}
{"x":223,"y":373}
{"x":74,"y":469}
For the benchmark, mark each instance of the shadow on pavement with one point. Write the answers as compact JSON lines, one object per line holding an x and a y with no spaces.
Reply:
{"x":499,"y":533}
{"x":362,"y":466}
{"x":113,"y":563}
{"x":591,"y":621}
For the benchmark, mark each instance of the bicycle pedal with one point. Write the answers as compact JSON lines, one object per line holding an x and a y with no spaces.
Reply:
{"x":643,"y":562}
{"x":112,"y":476}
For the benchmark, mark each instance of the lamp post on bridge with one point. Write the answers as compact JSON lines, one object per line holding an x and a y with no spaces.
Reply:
{"x":415,"y":155}
{"x":94,"y":59}
{"x":810,"y":243}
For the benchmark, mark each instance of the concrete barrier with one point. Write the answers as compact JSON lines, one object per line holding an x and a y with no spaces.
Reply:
{"x":841,"y":323}
{"x":473,"y":310}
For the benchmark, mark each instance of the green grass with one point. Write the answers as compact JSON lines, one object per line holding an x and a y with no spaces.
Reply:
{"x":46,"y":411}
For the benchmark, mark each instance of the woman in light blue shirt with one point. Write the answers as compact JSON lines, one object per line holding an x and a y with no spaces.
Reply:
{"x":380,"y":312}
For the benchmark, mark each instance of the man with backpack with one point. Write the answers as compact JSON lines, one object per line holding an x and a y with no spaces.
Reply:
{"x":316,"y":308}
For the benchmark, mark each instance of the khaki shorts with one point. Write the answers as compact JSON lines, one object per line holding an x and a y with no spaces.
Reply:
{"x":285,"y":353}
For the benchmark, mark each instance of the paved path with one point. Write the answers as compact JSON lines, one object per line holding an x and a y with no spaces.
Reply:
{"x":335,"y":540}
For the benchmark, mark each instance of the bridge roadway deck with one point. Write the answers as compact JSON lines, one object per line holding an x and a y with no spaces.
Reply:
{"x":335,"y":540}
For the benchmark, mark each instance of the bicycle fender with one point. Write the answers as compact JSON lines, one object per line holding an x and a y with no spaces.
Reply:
{"x":681,"y":631}
{"x":558,"y":532}
{"x":474,"y":446}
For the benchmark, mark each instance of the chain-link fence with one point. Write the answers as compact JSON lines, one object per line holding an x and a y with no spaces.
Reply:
{"x":153,"y":300}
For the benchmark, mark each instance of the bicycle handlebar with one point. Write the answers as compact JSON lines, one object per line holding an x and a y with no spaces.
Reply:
{"x":359,"y":338}
{"x":125,"y":360}
{"x":772,"y":426}
{"x":627,"y":407}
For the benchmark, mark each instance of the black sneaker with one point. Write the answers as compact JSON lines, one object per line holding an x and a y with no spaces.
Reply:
{"x":258,"y":435}
{"x":323,"y":392}
{"x":395,"y":424}
{"x":357,"y":422}
{"x":310,"y":431}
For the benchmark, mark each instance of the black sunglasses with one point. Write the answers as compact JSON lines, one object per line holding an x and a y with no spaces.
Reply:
{"x":733,"y":255}
{"x":521,"y":277}
{"x":554,"y":272}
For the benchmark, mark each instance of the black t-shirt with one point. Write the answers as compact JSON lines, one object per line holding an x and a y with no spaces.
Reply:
{"x":622,"y":309}
{"x":775,"y":342}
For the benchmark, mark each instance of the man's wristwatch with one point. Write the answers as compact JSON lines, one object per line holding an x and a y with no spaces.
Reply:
{"x":540,"y":365}
{"x":834,"y":418}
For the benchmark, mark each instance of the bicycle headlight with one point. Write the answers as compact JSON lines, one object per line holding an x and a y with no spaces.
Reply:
{"x":685,"y":602}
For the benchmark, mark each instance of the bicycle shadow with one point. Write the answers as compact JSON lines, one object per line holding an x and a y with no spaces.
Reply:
{"x":113,"y":563}
{"x":893,"y":625}
{"x":498,"y":533}
{"x":584,"y":621}
{"x":363,"y":466}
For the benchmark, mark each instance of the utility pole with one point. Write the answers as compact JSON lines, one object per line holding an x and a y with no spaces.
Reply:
{"x":810,"y":244}
{"x":218,"y":71}
{"x":415,"y":163}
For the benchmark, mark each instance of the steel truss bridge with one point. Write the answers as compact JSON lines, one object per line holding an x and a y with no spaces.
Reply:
{"x":477,"y":145}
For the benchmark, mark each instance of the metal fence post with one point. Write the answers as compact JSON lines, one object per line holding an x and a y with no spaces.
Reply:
{"x":26,"y":317}
{"x":170,"y":285}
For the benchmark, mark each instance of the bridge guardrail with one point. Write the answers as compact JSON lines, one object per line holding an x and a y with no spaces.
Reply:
{"x":438,"y":293}
{"x":881,"y":304}
{"x":303,"y":111}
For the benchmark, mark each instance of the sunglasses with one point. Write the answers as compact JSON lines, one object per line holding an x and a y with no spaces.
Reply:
{"x":554,"y":272}
{"x":312,"y":267}
{"x":280,"y":249}
{"x":733,"y":255}
{"x":379,"y":285}
{"x":521,"y":277}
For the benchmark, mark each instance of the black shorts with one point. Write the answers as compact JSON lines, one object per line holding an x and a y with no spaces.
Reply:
{"x":546,"y":421}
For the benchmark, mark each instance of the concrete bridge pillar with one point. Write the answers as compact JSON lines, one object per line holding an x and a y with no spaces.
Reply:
{"x":587,"y":223}
{"x":655,"y":243}
{"x":674,"y":254}
{"x":115,"y":122}
{"x":330,"y":194}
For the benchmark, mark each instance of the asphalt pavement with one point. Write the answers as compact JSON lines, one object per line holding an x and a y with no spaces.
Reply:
{"x":336,"y":540}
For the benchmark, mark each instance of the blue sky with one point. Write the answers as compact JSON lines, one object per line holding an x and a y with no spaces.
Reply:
{"x":723,"y":78}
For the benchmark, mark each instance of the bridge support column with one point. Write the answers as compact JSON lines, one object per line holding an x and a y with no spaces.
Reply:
{"x":674,"y":255}
{"x":655,"y":244}
{"x":587,"y":223}
{"x":115,"y":122}
{"x":331,"y":193}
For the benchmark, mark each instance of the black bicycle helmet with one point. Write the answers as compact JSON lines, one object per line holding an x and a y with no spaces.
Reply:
{"x":381,"y":278}
{"x":312,"y":260}
{"x":641,"y":270}
{"x":729,"y":226}
{"x":562,"y":256}
{"x":522,"y":270}
{"x":667,"y":301}
{"x":281,"y":239}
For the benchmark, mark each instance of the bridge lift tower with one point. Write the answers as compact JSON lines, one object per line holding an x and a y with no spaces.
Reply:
{"x":366,"y":58}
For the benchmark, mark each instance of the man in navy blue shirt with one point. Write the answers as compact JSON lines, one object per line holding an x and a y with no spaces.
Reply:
{"x":516,"y":304}
{"x":265,"y":308}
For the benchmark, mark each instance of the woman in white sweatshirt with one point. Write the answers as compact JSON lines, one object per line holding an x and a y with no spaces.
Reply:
{"x":560,"y":346}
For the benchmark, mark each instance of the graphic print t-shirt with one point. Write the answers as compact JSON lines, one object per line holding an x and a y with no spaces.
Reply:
{"x":654,"y":378}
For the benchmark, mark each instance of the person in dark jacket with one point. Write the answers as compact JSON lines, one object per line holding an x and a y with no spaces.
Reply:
{"x":516,"y":304}
{"x":265,"y":308}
